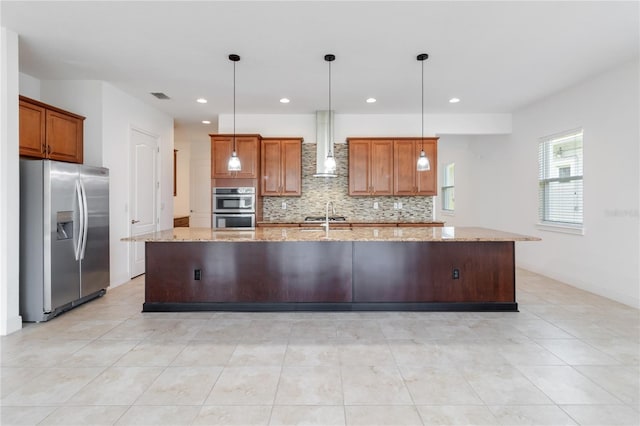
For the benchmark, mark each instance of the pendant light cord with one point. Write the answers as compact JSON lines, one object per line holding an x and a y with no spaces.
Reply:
{"x":330,"y":118}
{"x":234,"y":106}
{"x":422,"y":117}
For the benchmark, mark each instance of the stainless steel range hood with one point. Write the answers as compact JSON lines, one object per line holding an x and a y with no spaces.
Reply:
{"x":324,"y":139}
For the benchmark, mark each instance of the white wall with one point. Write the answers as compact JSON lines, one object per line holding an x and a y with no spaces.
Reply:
{"x":10,"y":319}
{"x":605,"y":259}
{"x":29,"y":86}
{"x":121,"y":113}
{"x":456,"y":149}
{"x":350,"y":125}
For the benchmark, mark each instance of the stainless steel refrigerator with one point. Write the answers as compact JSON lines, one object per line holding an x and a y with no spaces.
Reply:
{"x":64,"y":236}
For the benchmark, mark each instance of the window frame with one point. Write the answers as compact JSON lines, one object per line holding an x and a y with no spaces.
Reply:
{"x":448,"y":186}
{"x":544,"y":179}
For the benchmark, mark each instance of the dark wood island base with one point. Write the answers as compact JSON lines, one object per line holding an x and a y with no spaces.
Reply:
{"x":330,"y":276}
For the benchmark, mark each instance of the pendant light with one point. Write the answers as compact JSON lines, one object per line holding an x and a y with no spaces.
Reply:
{"x":423,"y":161}
{"x":234,"y":161}
{"x":330,"y":161}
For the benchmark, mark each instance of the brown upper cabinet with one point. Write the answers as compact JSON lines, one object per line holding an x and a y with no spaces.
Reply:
{"x":281,"y":167}
{"x":247,"y":148}
{"x":370,"y":166}
{"x":49,"y":132}
{"x":407,"y":180}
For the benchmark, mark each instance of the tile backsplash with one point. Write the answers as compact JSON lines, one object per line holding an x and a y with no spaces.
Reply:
{"x":316,"y":192}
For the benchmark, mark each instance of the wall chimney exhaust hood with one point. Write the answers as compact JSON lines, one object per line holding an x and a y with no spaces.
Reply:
{"x":324,"y":139}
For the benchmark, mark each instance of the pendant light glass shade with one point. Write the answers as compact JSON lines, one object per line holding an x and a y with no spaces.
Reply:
{"x":330,"y":163}
{"x":423,"y":162}
{"x":234,"y":162}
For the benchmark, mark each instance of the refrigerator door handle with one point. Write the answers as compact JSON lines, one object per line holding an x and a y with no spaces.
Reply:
{"x":85,"y":212}
{"x":78,"y":246}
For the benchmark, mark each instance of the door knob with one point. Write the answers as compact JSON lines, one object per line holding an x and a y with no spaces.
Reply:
{"x":134,"y":221}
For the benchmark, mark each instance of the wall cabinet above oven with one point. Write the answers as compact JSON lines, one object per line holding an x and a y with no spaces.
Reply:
{"x":281,"y":167}
{"x":248,"y":150}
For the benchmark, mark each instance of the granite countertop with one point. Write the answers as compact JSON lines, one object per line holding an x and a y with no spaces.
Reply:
{"x":302,"y":223}
{"x":293,"y":234}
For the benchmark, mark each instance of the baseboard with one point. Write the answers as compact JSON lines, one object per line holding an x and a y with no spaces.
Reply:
{"x":10,"y":325}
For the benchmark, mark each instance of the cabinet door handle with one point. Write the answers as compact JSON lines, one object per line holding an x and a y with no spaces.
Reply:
{"x":133,"y":221}
{"x":48,"y":149}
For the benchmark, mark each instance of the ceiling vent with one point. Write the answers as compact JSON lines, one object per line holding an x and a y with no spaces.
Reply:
{"x":160,"y":95}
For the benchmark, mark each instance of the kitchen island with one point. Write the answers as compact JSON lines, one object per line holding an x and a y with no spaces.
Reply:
{"x":285,"y":269}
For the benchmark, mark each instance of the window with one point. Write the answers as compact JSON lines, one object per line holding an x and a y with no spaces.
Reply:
{"x":560,"y":180}
{"x":448,"y":189}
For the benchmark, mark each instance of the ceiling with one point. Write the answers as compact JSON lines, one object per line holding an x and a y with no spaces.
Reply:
{"x":494,"y":56}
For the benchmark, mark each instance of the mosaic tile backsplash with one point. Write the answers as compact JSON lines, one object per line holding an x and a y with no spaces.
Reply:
{"x":316,"y":192}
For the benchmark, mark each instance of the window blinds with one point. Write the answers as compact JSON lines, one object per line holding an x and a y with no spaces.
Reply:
{"x":560,"y":179}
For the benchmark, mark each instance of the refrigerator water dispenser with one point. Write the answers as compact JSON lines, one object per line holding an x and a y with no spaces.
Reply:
{"x":65,"y":225}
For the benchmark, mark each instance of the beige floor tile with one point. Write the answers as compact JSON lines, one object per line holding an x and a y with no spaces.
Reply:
{"x":41,"y":353}
{"x":85,"y":415}
{"x":456,"y":415}
{"x":438,"y":386}
{"x":151,"y":354}
{"x":198,"y":353}
{"x":623,"y":350}
{"x":54,"y":386}
{"x":309,"y":415}
{"x":504,"y":385}
{"x":181,"y":386}
{"x":11,"y":378}
{"x":537,"y":328}
{"x":527,"y":352}
{"x":599,"y":415}
{"x":309,"y":386}
{"x":576,"y":352}
{"x":312,"y":354}
{"x":99,"y":353}
{"x":159,"y":415}
{"x":233,"y":415}
{"x":245,"y":386}
{"x":621,"y":381}
{"x":387,"y":415}
{"x":540,"y":415}
{"x":412,"y":352}
{"x":24,"y":415}
{"x":265,"y":355}
{"x":117,"y":386}
{"x":373,"y":385}
{"x":366,"y":353}
{"x":564,"y":385}
{"x":359,"y":329}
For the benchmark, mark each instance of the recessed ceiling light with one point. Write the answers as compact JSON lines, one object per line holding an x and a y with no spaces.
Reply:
{"x":454,"y":100}
{"x":206,"y":122}
{"x":284,"y":101}
{"x":371,"y":100}
{"x":201,"y":100}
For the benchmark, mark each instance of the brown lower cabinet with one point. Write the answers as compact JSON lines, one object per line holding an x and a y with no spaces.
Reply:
{"x":329,"y":275}
{"x":50,"y":132}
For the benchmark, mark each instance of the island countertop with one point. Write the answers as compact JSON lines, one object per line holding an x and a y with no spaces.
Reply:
{"x":295,"y":234}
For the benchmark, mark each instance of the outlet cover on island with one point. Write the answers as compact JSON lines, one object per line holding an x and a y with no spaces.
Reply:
{"x":375,"y":205}
{"x":395,"y":206}
{"x":400,"y":205}
{"x":284,"y":205}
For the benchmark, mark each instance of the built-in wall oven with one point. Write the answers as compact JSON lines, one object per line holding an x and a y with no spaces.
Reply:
{"x":234,"y":207}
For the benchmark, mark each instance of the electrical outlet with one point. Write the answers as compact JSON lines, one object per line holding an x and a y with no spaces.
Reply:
{"x":197,"y":274}
{"x":400,"y":205}
{"x":456,"y":274}
{"x":395,"y":206}
{"x":375,"y":205}
{"x":284,"y":205}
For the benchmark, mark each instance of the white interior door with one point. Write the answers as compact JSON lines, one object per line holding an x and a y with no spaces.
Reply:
{"x":200,"y":197}
{"x":144,"y":186}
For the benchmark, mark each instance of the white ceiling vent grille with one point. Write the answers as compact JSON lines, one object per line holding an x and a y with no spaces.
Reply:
{"x":160,"y":95}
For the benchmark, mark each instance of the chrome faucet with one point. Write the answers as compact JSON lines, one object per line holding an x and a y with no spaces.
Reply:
{"x":326,"y":223}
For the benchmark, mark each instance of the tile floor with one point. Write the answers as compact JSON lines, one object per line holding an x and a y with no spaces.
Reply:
{"x":568,"y":357}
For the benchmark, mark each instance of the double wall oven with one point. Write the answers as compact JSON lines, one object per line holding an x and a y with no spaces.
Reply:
{"x":234,"y":207}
